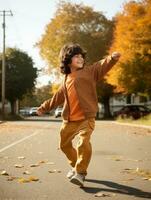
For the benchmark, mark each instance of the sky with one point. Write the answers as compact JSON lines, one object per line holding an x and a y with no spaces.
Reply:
{"x":30,"y":18}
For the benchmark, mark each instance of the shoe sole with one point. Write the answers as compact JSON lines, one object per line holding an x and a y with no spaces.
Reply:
{"x":69,"y":177}
{"x":76,"y":182}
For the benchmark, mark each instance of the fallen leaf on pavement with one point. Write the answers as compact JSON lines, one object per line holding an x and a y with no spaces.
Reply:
{"x":11,"y":178}
{"x":147,"y":179}
{"x":116,"y":158}
{"x":27,"y":180}
{"x":26,"y":172}
{"x":146,"y":174}
{"x":23,"y":180}
{"x":100,"y":194}
{"x":21,"y":157}
{"x":120,"y":158}
{"x":42,"y":161}
{"x":51,"y":171}
{"x":34,"y":165}
{"x":4,"y":173}
{"x":32,"y":178}
{"x":128,"y":169}
{"x":18,"y":166}
{"x":54,"y":170}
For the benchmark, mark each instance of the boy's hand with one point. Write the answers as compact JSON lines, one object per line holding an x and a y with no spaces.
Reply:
{"x":116,"y":56}
{"x":39,"y":111}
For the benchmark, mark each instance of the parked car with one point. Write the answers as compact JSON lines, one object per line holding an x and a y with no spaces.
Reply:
{"x":58,"y":112}
{"x":33,"y":111}
{"x":24,"y":111}
{"x":133,"y":111}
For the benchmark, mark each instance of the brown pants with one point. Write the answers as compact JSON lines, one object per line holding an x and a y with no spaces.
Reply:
{"x":78,"y":158}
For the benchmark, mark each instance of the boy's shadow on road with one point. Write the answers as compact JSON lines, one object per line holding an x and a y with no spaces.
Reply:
{"x":116,"y":188}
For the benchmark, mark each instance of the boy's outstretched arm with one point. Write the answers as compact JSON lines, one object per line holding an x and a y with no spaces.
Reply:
{"x":55,"y":101}
{"x":100,"y":68}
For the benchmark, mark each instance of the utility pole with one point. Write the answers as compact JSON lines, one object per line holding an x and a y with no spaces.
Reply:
{"x":4,"y":13}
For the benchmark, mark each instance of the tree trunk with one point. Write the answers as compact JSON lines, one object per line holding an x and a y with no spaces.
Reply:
{"x":107,"y":112}
{"x":13,"y":107}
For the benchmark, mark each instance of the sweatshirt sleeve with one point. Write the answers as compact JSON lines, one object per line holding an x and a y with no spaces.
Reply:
{"x":100,"y":68}
{"x":57,"y":99}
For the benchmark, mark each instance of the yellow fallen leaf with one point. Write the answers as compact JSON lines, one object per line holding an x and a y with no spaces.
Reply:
{"x":23,"y":180}
{"x":32,"y":178}
{"x":146,"y":179}
{"x":27,"y":180}
{"x":4,"y":173}
{"x":146,"y":174}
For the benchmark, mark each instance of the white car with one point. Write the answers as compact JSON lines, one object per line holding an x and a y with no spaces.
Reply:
{"x":33,"y":111}
{"x":58,"y":112}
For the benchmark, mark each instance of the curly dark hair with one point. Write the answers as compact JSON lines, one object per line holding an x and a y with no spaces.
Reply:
{"x":66,"y":54}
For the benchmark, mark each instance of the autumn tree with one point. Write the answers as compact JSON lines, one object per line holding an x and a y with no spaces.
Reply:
{"x":132,"y":38}
{"x":104,"y":95}
{"x":36,"y":97}
{"x":20,"y":75}
{"x":76,"y":23}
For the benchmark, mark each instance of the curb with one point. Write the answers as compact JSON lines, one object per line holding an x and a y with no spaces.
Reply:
{"x":134,"y":125}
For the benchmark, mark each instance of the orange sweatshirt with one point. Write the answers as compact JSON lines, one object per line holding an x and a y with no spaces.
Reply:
{"x":76,"y":112}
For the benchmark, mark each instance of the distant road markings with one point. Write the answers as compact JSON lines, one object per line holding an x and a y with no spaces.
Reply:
{"x":19,"y":141}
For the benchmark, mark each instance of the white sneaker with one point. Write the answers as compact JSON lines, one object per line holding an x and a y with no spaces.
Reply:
{"x":78,"y":179}
{"x":70,"y":173}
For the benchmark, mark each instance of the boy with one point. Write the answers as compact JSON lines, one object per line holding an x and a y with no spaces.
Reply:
{"x":79,"y":99}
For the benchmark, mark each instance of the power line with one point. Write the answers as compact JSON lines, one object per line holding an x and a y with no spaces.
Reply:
{"x":4,"y":13}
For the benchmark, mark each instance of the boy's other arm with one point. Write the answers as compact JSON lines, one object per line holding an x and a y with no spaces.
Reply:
{"x":101,"y":67}
{"x":55,"y":101}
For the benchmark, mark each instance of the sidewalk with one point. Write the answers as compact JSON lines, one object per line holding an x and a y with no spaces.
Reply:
{"x":130,"y":124}
{"x":124,"y":124}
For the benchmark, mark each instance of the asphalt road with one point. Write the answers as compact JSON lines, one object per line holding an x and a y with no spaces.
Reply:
{"x":120,"y":168}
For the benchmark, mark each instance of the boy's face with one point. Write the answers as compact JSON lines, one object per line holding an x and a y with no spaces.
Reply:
{"x":77,"y":62}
